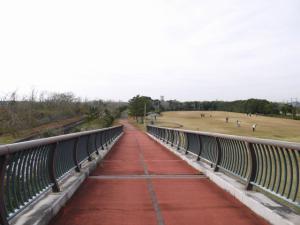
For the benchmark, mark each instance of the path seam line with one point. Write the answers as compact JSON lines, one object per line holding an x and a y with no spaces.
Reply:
{"x":116,"y":176}
{"x":150,"y":187}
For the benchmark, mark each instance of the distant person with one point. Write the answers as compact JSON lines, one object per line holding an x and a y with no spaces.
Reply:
{"x":227,"y":119}
{"x":254,"y":127}
{"x":238,"y":123}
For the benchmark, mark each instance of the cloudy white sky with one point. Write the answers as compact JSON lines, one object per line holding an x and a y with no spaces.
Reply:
{"x":186,"y":50}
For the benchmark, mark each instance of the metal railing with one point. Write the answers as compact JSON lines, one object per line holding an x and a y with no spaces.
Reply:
{"x":29,"y":169}
{"x":266,"y":165}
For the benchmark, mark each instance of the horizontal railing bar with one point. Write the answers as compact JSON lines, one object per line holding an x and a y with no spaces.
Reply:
{"x":283,"y":144}
{"x":15,"y":147}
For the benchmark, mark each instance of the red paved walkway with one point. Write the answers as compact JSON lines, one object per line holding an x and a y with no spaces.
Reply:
{"x":142,"y":183}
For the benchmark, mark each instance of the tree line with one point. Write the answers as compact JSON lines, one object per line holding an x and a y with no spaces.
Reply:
{"x":19,"y":113}
{"x":138,"y":104}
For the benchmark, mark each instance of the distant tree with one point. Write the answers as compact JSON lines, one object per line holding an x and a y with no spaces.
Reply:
{"x":93,"y":113}
{"x":108,"y":119}
{"x":260,"y":106}
{"x":137,"y":104}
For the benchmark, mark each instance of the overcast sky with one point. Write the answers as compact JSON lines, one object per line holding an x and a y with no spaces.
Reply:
{"x":185,"y":50}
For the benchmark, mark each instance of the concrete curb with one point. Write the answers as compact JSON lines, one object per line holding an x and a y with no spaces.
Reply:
{"x":49,"y":204}
{"x":260,"y":204}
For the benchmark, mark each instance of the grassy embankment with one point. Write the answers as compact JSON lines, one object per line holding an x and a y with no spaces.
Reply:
{"x":9,"y":138}
{"x":214,"y":121}
{"x":89,"y":125}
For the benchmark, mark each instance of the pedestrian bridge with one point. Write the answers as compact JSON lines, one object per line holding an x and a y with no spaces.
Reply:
{"x":121,"y":175}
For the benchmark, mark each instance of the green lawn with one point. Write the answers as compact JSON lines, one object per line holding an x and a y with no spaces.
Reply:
{"x":214,"y":121}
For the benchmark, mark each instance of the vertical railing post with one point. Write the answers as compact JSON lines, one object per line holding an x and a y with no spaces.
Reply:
{"x":200,"y":147}
{"x":187,"y":143}
{"x":75,"y":155}
{"x":172,"y":137}
{"x":101,"y":140}
{"x":167,"y":135}
{"x":179,"y":140}
{"x":3,"y":163}
{"x":106,"y":138}
{"x":95,"y":143}
{"x":52,"y":159}
{"x":252,"y":165}
{"x":110,"y":136}
{"x":219,"y":155}
{"x":113,"y":135}
{"x":87,"y":148}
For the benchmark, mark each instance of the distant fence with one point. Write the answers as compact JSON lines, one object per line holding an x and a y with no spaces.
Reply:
{"x":268,"y":165}
{"x":29,"y":169}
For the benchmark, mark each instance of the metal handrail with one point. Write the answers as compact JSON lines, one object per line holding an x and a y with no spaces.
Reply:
{"x":270,"y":166}
{"x":288,"y":144}
{"x":11,"y":148}
{"x":29,"y":169}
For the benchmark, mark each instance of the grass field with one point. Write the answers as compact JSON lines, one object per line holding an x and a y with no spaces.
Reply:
{"x":215,"y":121}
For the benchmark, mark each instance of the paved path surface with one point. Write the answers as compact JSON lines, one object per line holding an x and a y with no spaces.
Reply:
{"x":142,"y":183}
